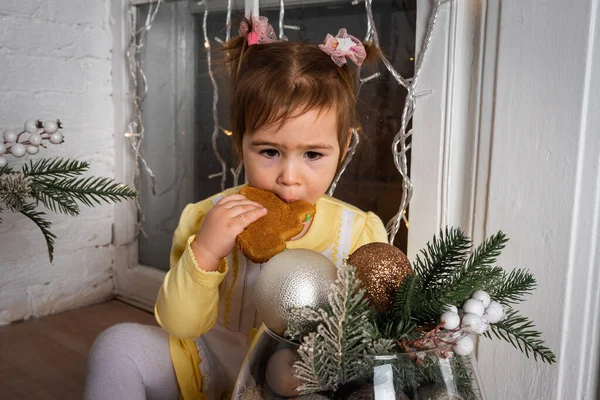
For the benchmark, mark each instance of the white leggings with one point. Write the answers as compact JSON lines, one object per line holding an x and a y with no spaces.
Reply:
{"x":130,"y":362}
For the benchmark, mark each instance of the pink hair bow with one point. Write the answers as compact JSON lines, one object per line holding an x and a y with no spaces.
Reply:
{"x":344,"y":46}
{"x":262,"y":32}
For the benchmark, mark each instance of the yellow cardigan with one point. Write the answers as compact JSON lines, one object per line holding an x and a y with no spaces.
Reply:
{"x":187,"y":303}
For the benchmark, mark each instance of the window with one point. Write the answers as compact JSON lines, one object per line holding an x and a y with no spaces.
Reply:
{"x":178,"y":118}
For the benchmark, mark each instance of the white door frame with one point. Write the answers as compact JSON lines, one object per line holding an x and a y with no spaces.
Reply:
{"x":446,"y":122}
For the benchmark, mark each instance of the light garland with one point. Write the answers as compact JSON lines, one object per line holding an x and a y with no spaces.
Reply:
{"x":216,"y":127}
{"x":139,"y":89}
{"x":399,"y":145}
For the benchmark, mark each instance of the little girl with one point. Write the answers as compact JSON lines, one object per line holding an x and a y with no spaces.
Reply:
{"x":293,"y":108}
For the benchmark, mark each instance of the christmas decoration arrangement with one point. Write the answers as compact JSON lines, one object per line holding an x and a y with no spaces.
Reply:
{"x":386,"y":328}
{"x":55,"y":183}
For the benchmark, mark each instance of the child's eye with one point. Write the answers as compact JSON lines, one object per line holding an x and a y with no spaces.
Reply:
{"x":269,"y":153}
{"x":313,"y":155}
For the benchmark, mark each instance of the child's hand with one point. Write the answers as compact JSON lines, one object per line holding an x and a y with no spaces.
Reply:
{"x":227,"y":219}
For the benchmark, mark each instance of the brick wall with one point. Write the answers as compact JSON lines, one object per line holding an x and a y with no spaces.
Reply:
{"x":56,"y":62}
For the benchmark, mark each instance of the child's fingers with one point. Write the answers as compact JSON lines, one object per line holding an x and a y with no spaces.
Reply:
{"x":231,"y":197}
{"x":249,"y":217}
{"x":240,"y":203}
{"x":239,"y":209}
{"x":235,"y":199}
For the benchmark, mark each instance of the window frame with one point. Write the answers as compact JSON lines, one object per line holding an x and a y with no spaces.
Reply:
{"x":444,"y":145}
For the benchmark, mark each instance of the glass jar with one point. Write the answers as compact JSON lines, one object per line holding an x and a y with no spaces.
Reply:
{"x":435,"y":374}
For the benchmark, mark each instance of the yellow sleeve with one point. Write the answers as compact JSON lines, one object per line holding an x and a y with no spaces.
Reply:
{"x":187,"y":302}
{"x":373,"y":231}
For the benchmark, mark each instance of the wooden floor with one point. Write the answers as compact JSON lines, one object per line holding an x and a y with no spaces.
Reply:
{"x":46,"y":358}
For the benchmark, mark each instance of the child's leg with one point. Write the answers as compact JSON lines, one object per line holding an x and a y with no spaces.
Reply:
{"x":131,"y":361}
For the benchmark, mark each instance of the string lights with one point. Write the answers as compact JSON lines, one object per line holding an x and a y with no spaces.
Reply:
{"x":399,"y":143}
{"x":139,"y":89}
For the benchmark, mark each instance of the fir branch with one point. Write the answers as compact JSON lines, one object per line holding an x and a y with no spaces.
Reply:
{"x":514,"y":287}
{"x":407,"y":300}
{"x":6,"y":170}
{"x":443,"y":256}
{"x":343,"y":333}
{"x":382,"y":346}
{"x":55,"y":168}
{"x":467,"y":281}
{"x":55,"y":201}
{"x":90,"y":191}
{"x":38,"y":217}
{"x":306,"y":368}
{"x":519,"y":331}
{"x":15,"y":188}
{"x":487,"y":252}
{"x":303,"y":320}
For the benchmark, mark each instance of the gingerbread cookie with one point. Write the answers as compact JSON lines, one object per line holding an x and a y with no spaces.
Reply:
{"x":266,"y":237}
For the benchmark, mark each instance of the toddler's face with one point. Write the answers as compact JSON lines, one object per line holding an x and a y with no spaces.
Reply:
{"x":296,"y":161}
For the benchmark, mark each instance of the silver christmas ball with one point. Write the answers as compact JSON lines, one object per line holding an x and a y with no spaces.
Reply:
{"x":292,"y":279}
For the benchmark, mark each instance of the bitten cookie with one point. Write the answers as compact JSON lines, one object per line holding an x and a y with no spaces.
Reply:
{"x":266,"y":237}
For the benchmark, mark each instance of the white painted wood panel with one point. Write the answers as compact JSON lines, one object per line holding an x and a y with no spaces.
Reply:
{"x":536,"y":149}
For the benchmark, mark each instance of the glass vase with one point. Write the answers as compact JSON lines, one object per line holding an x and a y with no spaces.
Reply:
{"x":435,"y":374}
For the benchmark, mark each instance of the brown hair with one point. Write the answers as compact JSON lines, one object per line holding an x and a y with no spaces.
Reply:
{"x":276,"y":81}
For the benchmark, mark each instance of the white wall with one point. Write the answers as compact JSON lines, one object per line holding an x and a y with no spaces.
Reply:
{"x":55,"y":62}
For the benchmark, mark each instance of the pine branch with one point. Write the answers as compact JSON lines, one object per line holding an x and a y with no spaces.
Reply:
{"x":518,"y":331}
{"x":6,"y":170}
{"x":407,"y":300}
{"x":306,"y":368}
{"x":90,"y":191}
{"x":443,"y":256}
{"x":38,"y":217}
{"x":514,"y":287}
{"x":487,"y":252}
{"x":55,"y":168}
{"x":476,"y":273}
{"x":54,"y":200}
{"x":343,"y":333}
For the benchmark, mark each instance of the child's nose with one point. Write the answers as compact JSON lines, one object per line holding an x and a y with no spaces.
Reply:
{"x":289,"y":174}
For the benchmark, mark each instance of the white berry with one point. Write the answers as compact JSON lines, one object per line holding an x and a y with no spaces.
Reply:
{"x":56,"y":138}
{"x":2,"y":148}
{"x":10,"y":136}
{"x":452,"y":308}
{"x":474,"y":306}
{"x":3,"y":161}
{"x":482,"y":296}
{"x":471,"y":322}
{"x":494,"y":312}
{"x":464,"y":346}
{"x":17,"y":150}
{"x":50,"y":126}
{"x":35,"y":139}
{"x":450,"y":319}
{"x":31,"y":126}
{"x":31,"y":149}
{"x":483,"y":326}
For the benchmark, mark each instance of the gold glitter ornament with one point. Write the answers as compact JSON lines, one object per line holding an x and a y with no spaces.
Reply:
{"x":381,"y":268}
{"x":294,"y":278}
